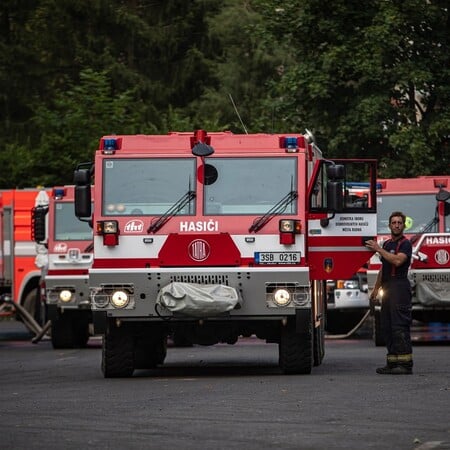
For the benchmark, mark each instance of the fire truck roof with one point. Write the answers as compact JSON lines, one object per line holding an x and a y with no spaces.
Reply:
{"x":183,"y":142}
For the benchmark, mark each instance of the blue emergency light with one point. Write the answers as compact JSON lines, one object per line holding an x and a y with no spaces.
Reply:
{"x":58,"y":193}
{"x":110,"y":144}
{"x":290,"y":144}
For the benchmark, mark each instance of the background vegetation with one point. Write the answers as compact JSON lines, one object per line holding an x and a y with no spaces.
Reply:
{"x":370,"y":79}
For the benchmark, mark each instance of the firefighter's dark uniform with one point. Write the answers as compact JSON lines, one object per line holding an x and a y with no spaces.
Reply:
{"x":396,"y":309}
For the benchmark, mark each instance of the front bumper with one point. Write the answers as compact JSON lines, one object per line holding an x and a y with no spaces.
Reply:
{"x":254,"y":285}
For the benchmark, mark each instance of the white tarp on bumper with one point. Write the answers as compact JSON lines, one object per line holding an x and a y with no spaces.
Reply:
{"x":433,"y":293}
{"x":197,"y":300}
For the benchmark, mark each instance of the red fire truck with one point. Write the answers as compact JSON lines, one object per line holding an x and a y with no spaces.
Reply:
{"x":217,"y":235}
{"x":68,"y":256}
{"x":425,"y":201}
{"x":19,"y":276}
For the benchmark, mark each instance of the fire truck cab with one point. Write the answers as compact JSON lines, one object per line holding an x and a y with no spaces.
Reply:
{"x":215,"y":236}
{"x":425,"y":201}
{"x":66,"y":255}
{"x":19,"y":277}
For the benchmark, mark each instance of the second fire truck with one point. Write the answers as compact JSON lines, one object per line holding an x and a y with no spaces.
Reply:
{"x":65,"y":255}
{"x":19,"y":276}
{"x":425,"y":201}
{"x":217,"y":235}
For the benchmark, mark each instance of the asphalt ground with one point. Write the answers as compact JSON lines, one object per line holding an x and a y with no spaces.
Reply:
{"x":223,"y":397}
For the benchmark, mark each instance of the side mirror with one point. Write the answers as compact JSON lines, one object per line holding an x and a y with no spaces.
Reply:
{"x":442,"y":195}
{"x":335,"y":187}
{"x":82,"y":177}
{"x":38,"y":231}
{"x":335,"y":196}
{"x":83,"y":201}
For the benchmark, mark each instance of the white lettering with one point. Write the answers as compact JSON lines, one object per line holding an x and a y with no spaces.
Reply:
{"x":60,"y":248}
{"x":134,"y":226}
{"x":210,"y":225}
{"x":437,"y":240}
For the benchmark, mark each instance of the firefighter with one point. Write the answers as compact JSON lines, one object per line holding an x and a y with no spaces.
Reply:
{"x":396,"y":306}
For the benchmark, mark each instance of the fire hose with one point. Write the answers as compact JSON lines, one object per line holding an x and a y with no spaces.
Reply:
{"x":27,"y":319}
{"x":353,"y":330}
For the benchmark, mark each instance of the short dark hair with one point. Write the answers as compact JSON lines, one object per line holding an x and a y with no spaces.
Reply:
{"x":397,"y":214}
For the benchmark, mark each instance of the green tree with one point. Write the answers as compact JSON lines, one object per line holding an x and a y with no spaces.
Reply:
{"x":72,"y":126}
{"x":154,"y":49}
{"x":370,"y":79}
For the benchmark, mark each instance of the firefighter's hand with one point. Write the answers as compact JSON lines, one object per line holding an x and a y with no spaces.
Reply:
{"x":373,"y":301}
{"x":372,"y":305}
{"x":373,"y":245}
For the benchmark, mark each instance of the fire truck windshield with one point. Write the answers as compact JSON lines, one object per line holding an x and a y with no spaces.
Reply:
{"x":418,"y":209}
{"x":249,"y":185}
{"x":145,"y":186}
{"x":67,"y":227}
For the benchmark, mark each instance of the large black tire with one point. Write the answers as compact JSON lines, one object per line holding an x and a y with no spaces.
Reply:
{"x":150,"y":351}
{"x":296,"y":350}
{"x":319,"y":345}
{"x":70,"y":330}
{"x":62,"y":332}
{"x":377,"y":333}
{"x":31,"y":303}
{"x":117,"y":353}
{"x":81,"y":329}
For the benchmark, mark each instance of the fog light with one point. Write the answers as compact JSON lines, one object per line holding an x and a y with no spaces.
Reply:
{"x":65,"y":295}
{"x":120,"y":299}
{"x":282,"y":297}
{"x":100,"y":299}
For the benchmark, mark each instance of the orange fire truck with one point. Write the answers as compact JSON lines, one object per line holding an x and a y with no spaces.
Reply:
{"x":68,"y":255}
{"x":425,"y":201}
{"x":19,"y":277}
{"x":216,"y":235}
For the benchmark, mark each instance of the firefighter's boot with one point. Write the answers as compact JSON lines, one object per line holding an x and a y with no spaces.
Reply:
{"x":391,"y":362}
{"x":404,"y":364}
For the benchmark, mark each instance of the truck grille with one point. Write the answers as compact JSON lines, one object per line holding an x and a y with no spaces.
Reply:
{"x":200,"y":279}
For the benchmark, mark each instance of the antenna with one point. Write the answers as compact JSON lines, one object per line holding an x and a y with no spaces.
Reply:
{"x":237,"y":113}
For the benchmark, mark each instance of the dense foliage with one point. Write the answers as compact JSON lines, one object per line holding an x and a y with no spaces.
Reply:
{"x":370,"y":79}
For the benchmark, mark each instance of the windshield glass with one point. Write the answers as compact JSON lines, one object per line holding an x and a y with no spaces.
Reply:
{"x":68,"y":227}
{"x":248,"y":185}
{"x":140,"y":187}
{"x":418,"y":209}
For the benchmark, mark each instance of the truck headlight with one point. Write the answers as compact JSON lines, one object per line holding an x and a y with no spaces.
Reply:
{"x":120,"y":299}
{"x":65,"y":296}
{"x":282,"y":297}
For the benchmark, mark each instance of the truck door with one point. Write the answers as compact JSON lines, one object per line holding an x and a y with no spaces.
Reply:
{"x":337,"y":231}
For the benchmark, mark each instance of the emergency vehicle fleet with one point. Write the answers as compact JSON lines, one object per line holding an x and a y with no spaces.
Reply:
{"x":215,"y":236}
{"x":65,"y":251}
{"x":19,"y":276}
{"x":426,"y":203}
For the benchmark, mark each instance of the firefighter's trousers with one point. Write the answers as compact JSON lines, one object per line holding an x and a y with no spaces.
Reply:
{"x":396,"y":320}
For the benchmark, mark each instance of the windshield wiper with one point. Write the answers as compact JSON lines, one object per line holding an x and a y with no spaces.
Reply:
{"x":259,"y":222}
{"x":426,"y":229}
{"x":172,"y":211}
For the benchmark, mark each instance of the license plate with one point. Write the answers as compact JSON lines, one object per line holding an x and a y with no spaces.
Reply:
{"x":277,"y":257}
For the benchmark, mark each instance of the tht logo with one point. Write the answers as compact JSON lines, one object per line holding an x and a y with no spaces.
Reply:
{"x":134,"y":226}
{"x":60,"y":248}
